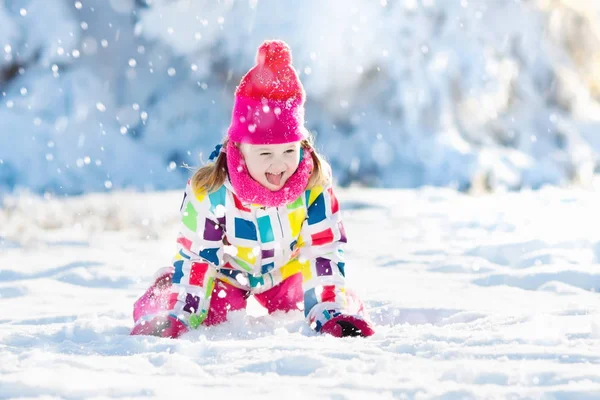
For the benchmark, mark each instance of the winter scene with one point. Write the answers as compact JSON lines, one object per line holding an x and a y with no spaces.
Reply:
{"x":263,"y":199}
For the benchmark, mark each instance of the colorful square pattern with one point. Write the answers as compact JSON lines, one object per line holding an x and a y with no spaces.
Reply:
{"x":267,"y":267}
{"x":239,"y":205}
{"x":296,"y":204}
{"x":296,"y":219}
{"x":185,"y":242}
{"x":265,"y":229}
{"x":217,"y":198}
{"x":197,"y":273}
{"x":335,"y":205}
{"x":323,"y":266}
{"x":191,"y":303}
{"x":245,"y":229}
{"x":310,"y":300}
{"x":323,"y":237}
{"x":267,"y":253}
{"x":316,"y":211}
{"x":210,"y":255}
{"x":178,"y":274}
{"x":212,"y":230}
{"x":328,"y":294}
{"x":189,"y":217}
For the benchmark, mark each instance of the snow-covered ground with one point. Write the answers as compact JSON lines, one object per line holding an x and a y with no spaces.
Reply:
{"x":473,"y":297}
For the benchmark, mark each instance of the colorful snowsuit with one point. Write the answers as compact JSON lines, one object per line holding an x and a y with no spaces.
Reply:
{"x":252,"y":249}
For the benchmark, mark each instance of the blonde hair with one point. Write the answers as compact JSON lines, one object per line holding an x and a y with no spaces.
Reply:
{"x":212,"y":176}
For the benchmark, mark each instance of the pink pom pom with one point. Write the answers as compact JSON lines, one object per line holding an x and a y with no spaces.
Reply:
{"x":274,"y":53}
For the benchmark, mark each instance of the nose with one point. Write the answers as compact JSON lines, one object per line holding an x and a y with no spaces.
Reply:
{"x":278,"y":164}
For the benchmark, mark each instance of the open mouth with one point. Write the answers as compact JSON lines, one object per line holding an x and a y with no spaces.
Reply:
{"x":274,"y":179}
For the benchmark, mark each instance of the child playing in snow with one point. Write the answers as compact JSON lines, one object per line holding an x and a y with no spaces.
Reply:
{"x":262,"y":220}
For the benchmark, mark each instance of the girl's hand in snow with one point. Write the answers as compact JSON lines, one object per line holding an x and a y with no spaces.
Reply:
{"x":347,"y":325}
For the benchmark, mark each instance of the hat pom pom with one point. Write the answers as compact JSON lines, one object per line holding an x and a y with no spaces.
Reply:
{"x":274,"y":53}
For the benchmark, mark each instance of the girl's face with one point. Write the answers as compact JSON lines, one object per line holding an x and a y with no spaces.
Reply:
{"x":271,"y":165}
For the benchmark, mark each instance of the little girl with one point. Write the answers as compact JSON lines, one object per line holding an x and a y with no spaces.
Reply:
{"x":262,"y":220}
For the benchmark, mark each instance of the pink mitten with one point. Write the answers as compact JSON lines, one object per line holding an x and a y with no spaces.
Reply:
{"x":347,"y":325}
{"x":167,"y":327}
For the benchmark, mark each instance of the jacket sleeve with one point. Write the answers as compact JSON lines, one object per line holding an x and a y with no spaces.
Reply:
{"x":321,"y":242}
{"x":199,"y":254}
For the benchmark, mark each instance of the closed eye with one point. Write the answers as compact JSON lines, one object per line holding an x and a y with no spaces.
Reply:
{"x":265,"y":154}
{"x":290,"y":151}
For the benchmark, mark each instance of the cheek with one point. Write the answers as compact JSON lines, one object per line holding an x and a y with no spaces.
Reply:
{"x":294,"y":162}
{"x":256,"y":165}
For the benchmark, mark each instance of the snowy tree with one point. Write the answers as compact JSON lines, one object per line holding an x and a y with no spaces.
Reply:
{"x":102,"y":95}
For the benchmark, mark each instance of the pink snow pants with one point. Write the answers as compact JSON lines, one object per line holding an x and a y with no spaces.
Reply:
{"x":284,"y":297}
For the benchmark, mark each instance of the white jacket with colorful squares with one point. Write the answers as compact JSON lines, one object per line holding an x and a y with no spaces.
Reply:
{"x":255,"y":248}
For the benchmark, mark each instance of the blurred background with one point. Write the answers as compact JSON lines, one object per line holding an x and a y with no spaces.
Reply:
{"x":104,"y":95}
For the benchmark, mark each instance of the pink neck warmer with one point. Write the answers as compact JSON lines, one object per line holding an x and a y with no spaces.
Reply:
{"x":250,"y":191}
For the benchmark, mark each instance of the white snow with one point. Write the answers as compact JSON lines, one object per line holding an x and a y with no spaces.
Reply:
{"x":473,"y":297}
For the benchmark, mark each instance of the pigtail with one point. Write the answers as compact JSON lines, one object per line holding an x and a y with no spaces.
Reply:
{"x":321,"y":173}
{"x":212,"y":176}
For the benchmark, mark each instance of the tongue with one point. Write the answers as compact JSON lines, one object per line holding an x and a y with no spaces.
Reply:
{"x":274,"y":179}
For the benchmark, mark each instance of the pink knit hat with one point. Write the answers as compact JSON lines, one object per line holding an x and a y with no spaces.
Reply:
{"x":269,"y":102}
